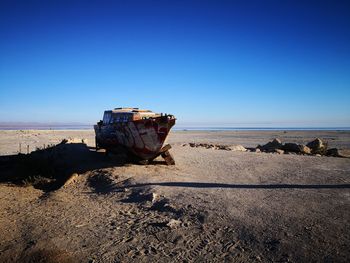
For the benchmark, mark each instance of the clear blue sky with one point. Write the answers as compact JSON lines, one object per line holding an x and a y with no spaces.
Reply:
{"x":239,"y":63}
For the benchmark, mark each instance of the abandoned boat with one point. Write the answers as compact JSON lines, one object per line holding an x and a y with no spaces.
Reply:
{"x":140,"y":133}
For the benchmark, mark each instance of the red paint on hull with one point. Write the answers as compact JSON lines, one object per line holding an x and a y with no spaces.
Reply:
{"x":144,"y":138}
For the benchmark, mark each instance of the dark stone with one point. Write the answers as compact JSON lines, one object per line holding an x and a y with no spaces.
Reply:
{"x":332,"y":152}
{"x":271,"y":146}
{"x":297,"y":148}
{"x":338,"y":153}
{"x":317,"y":146}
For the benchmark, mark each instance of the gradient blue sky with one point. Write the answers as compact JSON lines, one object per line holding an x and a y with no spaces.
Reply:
{"x":238,"y":63}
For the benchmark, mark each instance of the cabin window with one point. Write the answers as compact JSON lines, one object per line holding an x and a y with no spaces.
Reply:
{"x":115,"y":119}
{"x":106,"y":118}
{"x":122,"y":118}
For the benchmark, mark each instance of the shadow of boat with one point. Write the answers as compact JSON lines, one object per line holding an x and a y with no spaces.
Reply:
{"x":48,"y":169}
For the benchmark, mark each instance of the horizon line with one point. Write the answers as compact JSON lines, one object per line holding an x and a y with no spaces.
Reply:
{"x":86,"y":126}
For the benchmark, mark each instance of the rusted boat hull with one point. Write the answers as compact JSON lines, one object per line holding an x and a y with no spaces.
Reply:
{"x":142,"y":138}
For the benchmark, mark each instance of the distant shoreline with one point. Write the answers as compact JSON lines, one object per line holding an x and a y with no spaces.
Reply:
{"x":90,"y":127}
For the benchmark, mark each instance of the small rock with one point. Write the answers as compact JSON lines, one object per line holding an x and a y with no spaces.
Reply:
{"x":279,"y":151}
{"x":297,"y":148}
{"x":173,"y":223}
{"x":270,"y":146}
{"x":332,"y":152}
{"x":72,"y":179}
{"x":238,"y":148}
{"x":291,"y":147}
{"x":317,"y":146}
{"x":192,"y":144}
{"x":345,"y":153}
{"x":256,"y":150}
{"x":154,"y":197}
{"x":184,"y":144}
{"x":223,"y":147}
{"x":304,"y":149}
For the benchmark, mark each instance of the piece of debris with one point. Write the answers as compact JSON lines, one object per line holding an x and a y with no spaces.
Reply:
{"x":168,"y":158}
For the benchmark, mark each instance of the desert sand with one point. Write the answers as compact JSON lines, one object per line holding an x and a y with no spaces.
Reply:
{"x":213,"y":205}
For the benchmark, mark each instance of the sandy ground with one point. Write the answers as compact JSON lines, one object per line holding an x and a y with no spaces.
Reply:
{"x":213,"y":205}
{"x":10,"y":140}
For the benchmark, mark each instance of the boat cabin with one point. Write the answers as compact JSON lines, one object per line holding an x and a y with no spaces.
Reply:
{"x":119,"y":115}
